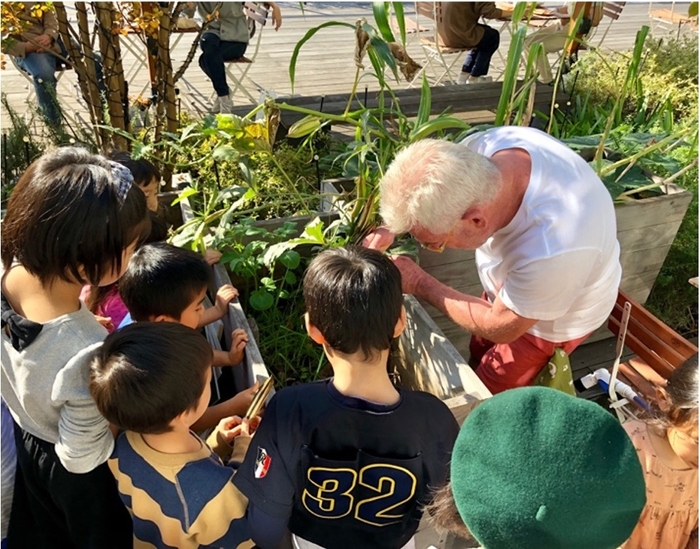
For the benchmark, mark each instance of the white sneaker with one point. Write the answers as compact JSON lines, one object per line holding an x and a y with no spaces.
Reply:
{"x":479,"y":79}
{"x":463,"y":77}
{"x":224,"y":104}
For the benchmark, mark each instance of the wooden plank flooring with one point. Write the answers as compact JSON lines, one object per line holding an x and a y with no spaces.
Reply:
{"x":325,"y":64}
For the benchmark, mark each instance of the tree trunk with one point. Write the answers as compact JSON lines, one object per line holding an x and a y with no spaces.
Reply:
{"x":113,"y":70}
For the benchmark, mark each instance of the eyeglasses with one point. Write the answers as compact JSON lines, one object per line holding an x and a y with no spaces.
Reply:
{"x":439,"y":248}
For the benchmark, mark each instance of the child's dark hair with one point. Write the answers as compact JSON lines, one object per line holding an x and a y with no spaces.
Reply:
{"x":97,"y":294}
{"x":682,"y":390}
{"x":353,"y":296}
{"x":66,"y":214}
{"x":143,"y":171}
{"x":148,"y":373}
{"x":163,"y":280}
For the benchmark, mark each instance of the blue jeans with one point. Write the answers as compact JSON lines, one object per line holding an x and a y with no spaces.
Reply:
{"x":42,"y":68}
{"x":214,"y":53}
{"x":479,"y":58}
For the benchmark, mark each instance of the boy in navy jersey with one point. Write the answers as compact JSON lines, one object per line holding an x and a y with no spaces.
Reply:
{"x":350,"y":461}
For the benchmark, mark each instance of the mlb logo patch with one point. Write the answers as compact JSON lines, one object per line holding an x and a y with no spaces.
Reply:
{"x":262,"y":463}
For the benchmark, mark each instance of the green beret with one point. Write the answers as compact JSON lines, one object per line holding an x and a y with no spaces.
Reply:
{"x":535,"y":468}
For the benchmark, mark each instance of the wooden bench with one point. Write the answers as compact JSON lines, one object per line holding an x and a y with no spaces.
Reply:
{"x":476,"y":104}
{"x":659,"y":349}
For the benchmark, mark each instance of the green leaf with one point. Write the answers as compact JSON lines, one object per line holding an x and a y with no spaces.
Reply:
{"x":400,"y":20}
{"x":290,"y":278}
{"x":437,"y":124}
{"x":425,"y":101}
{"x":224,"y":153}
{"x":139,"y":150}
{"x":309,"y":34}
{"x":268,"y":283}
{"x":261,"y":299}
{"x":184,"y":194}
{"x":290,"y":259}
{"x":381,"y":18}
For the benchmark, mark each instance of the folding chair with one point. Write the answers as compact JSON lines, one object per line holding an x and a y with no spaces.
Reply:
{"x":612,"y":11}
{"x":256,"y":13}
{"x":435,"y":52}
{"x":669,"y":20}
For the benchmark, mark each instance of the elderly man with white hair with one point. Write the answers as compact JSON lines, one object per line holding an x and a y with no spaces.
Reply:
{"x":543,"y":227}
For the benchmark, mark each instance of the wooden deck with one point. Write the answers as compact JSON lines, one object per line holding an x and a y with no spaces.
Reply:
{"x":325,"y":65}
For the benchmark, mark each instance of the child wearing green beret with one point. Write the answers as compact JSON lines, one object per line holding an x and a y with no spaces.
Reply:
{"x":535,"y":468}
{"x":668,"y":450}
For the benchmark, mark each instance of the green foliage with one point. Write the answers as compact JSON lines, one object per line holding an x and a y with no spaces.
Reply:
{"x":267,"y":270}
{"x":665,"y":90}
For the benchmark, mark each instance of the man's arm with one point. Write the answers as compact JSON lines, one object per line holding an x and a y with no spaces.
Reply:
{"x":494,"y":322}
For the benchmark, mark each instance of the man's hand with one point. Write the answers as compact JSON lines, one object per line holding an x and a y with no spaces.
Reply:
{"x":225,"y":294}
{"x":239,"y":340}
{"x":212,"y":256}
{"x":380,"y":239}
{"x":276,"y":15}
{"x":411,"y":273}
{"x":44,"y":40}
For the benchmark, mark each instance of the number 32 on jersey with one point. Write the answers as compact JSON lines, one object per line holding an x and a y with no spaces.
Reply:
{"x":386,"y":490}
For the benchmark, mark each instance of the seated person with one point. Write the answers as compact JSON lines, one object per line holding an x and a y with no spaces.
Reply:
{"x":152,"y":380}
{"x":39,"y":51}
{"x":225,"y":38}
{"x":348,"y":462}
{"x":164,"y":283}
{"x":460,"y":28}
{"x":33,"y":51}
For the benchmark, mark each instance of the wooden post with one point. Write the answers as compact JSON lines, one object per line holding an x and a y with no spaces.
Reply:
{"x":113,"y":70}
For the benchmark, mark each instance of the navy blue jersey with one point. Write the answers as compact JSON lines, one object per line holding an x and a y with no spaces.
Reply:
{"x":348,"y":473}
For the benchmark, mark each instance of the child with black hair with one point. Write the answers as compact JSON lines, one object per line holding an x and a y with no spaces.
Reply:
{"x":164,"y":283}
{"x":348,"y":462}
{"x":668,"y":450}
{"x":105,"y":301}
{"x":151,"y":379}
{"x":73,"y":218}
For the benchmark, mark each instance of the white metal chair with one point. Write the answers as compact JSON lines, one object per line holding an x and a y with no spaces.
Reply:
{"x":257,"y":15}
{"x":436,"y":55}
{"x":669,"y":20}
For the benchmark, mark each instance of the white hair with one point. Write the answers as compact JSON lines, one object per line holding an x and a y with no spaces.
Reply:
{"x":431,"y":183}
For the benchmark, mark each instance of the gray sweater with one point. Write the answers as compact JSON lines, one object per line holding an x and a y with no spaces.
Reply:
{"x":45,"y":387}
{"x":230,"y":26}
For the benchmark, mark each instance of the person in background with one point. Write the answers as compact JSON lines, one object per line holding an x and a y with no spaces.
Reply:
{"x":668,"y":450}
{"x":33,"y":50}
{"x":225,"y":38}
{"x":535,"y":468}
{"x":460,"y":28}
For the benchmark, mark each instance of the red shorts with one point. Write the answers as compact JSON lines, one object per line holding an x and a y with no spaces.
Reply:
{"x":507,"y":365}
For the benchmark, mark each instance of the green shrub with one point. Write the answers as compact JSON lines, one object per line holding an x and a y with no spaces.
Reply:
{"x":667,"y":83}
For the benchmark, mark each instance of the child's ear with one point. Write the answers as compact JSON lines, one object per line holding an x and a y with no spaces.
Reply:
{"x":400,"y":323}
{"x":162,"y":318}
{"x":313,"y":331}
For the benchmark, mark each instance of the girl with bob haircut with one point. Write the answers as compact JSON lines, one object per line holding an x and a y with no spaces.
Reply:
{"x":74,"y":218}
